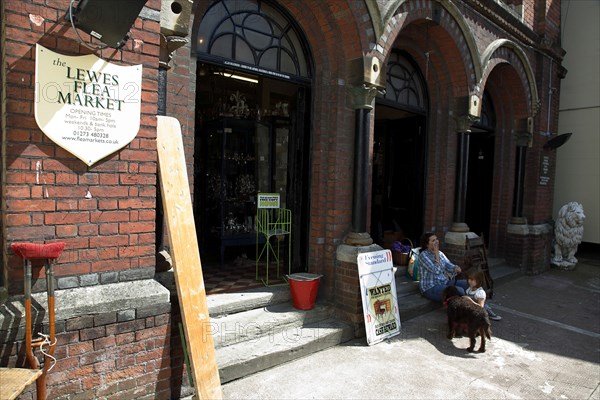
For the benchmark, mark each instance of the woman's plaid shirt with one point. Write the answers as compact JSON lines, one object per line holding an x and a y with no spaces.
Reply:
{"x":432,"y":273}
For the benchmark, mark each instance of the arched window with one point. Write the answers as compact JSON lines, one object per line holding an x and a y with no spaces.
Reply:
{"x":252,"y":36}
{"x":404,"y":85}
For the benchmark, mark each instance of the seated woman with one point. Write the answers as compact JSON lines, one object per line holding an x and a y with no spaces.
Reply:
{"x":436,"y":270}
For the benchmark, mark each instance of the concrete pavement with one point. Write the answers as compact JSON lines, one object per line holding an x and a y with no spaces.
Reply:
{"x":546,"y":347}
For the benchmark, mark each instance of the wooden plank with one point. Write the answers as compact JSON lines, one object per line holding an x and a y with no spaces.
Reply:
{"x":14,"y":380}
{"x":177,"y":203}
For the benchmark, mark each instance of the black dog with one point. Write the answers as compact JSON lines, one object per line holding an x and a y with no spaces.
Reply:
{"x":464,"y":313}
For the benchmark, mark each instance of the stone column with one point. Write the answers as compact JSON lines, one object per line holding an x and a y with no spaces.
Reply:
{"x":455,"y":238}
{"x":366,"y":80}
{"x":362,"y":99}
{"x":523,"y":139}
{"x":462,"y":170}
{"x":528,"y":246}
{"x":517,"y":217}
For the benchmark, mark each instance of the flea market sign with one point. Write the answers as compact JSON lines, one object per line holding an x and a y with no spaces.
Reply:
{"x":86,"y":105}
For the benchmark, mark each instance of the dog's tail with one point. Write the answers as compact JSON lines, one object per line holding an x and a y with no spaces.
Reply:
{"x":488,"y":327}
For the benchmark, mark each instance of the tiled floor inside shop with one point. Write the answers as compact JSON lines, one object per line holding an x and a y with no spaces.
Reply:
{"x":237,"y":275}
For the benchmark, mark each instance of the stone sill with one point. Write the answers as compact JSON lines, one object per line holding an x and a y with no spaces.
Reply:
{"x":70,"y":303}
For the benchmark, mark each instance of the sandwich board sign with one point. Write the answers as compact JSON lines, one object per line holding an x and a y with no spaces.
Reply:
{"x":379,"y":297}
{"x":86,"y":105}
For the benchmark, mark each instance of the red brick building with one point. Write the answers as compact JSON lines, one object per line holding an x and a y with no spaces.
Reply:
{"x":366,"y":116}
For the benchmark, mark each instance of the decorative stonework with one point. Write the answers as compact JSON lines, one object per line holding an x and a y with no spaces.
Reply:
{"x":464,"y":122}
{"x":362,"y":96}
{"x":168,"y":46}
{"x":568,"y":233}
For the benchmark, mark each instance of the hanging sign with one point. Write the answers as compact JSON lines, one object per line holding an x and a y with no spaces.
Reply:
{"x":379,"y":297}
{"x":86,"y":105}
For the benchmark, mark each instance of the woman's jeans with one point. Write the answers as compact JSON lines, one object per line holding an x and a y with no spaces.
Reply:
{"x":435,"y":293}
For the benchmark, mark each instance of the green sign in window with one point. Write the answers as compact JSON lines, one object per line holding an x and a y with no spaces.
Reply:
{"x":268,"y":200}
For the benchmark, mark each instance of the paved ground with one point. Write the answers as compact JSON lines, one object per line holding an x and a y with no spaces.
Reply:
{"x":546,"y":347}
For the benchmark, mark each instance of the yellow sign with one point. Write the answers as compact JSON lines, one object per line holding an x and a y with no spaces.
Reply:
{"x":268,"y":200}
{"x":86,"y":105}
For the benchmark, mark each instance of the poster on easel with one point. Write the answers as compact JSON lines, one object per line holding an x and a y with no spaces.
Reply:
{"x":379,"y":297}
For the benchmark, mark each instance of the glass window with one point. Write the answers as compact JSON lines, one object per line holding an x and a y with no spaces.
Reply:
{"x":253,"y":33}
{"x":404,"y":85}
{"x":243,"y":52}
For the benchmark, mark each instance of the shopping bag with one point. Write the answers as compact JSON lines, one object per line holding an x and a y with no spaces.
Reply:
{"x":413,"y":264}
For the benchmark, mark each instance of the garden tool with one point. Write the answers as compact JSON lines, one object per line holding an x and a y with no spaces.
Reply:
{"x":48,"y":252}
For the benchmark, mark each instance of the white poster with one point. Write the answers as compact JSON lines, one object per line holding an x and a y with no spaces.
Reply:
{"x":268,"y":200}
{"x":379,"y":297}
{"x":86,"y":105}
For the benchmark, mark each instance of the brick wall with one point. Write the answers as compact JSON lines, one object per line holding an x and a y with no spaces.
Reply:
{"x":104,"y":213}
{"x":110,"y":236}
{"x":348,"y":296}
{"x":109,"y":233}
{"x":113,"y":355}
{"x":529,"y":248}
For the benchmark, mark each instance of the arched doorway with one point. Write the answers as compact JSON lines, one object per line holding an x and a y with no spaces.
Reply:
{"x":252,"y":129}
{"x":481,"y":170}
{"x":399,"y":151}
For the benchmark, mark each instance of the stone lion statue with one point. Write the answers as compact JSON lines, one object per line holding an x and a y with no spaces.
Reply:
{"x":568,"y":233}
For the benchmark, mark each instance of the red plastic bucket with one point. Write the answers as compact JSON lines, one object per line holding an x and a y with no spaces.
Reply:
{"x":304,"y":288}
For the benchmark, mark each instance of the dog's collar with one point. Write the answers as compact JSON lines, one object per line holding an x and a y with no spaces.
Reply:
{"x":448,"y":300}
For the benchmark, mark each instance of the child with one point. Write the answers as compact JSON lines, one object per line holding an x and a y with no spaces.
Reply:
{"x":477,"y":293}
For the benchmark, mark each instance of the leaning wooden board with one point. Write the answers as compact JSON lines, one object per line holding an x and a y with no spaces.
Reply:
{"x":177,"y":203}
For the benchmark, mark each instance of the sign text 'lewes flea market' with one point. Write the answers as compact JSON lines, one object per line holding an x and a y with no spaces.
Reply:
{"x":86,"y":105}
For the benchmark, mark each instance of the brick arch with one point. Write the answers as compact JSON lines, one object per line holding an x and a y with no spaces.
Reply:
{"x":509,"y":90}
{"x":447,"y":88}
{"x":335,"y":32}
{"x":504,"y":51}
{"x":507,"y":93}
{"x":447,"y":16}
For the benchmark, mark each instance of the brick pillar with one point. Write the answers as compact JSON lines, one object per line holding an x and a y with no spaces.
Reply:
{"x":348,"y":299}
{"x":529,"y":247}
{"x":454,"y":246}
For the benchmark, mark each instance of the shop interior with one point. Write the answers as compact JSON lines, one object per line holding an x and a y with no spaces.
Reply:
{"x":250,"y":138}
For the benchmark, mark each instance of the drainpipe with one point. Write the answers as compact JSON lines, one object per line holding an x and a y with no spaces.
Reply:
{"x":162,"y":90}
{"x":160,"y":213}
{"x":174,"y":27}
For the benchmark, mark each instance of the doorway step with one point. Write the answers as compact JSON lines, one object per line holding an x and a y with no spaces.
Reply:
{"x":259,"y":329}
{"x":411,"y":304}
